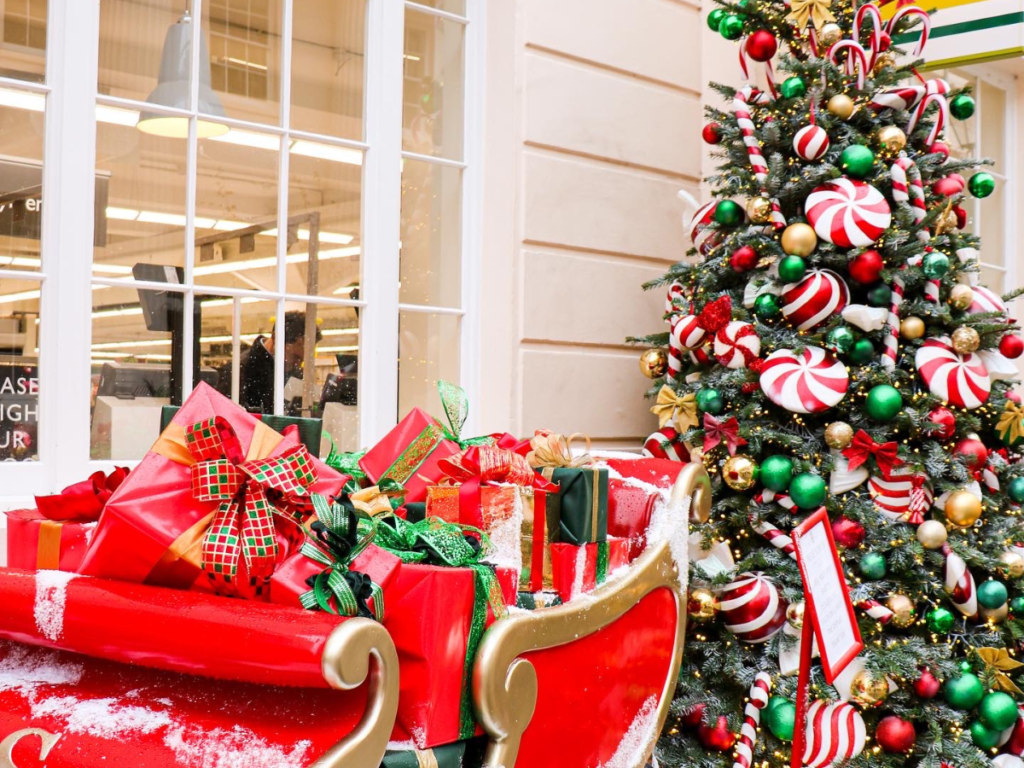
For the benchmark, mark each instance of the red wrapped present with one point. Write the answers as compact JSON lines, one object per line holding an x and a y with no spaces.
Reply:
{"x":218,"y":492}
{"x":576,"y":570}
{"x":443,"y":502}
{"x":632,"y":495}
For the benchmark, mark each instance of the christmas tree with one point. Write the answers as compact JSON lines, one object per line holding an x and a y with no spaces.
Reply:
{"x":830,"y":346}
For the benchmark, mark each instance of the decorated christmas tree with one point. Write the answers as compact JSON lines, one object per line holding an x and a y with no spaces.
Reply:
{"x":830,"y":345}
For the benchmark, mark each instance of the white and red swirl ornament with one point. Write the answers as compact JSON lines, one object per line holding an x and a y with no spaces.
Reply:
{"x":959,"y":583}
{"x":848,"y":213}
{"x":811,"y":143}
{"x":688,"y":332}
{"x":702,"y":234}
{"x":737,"y":345}
{"x":985,"y":300}
{"x":815,"y":299}
{"x":752,"y":607}
{"x":904,"y":497}
{"x":810,"y":382}
{"x":961,"y":380}
{"x":834,"y":732}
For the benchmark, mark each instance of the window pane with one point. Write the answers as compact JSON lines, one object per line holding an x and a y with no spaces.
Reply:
{"x":324,"y":246}
{"x":993,"y":225}
{"x":236,"y":211}
{"x":431,"y":235}
{"x":432,"y":113}
{"x":337,"y":375}
{"x":428,"y":350}
{"x":993,"y":126}
{"x":328,"y":67}
{"x":133,"y":347}
{"x":141,"y":217}
{"x":21,"y":177}
{"x":23,"y":54}
{"x":451,"y":6}
{"x":19,"y":370}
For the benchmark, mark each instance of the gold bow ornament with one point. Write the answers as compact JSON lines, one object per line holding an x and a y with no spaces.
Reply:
{"x":680,"y":409}
{"x":998,"y":661}
{"x":376,"y":500}
{"x":549,"y":449}
{"x":1011,"y":423}
{"x":817,"y":11}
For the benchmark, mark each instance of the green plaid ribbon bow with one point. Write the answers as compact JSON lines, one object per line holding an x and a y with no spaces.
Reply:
{"x":341,"y":534}
{"x":250,"y":493}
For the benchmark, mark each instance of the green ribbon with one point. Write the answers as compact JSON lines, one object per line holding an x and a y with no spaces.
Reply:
{"x":435,"y":542}
{"x":347,"y":464}
{"x":601,"y":567}
{"x":456,"y":408}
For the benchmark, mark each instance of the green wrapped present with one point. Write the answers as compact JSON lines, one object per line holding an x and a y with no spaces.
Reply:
{"x":531,"y":601}
{"x":310,"y":430}
{"x":582,"y":505}
{"x":461,"y":754}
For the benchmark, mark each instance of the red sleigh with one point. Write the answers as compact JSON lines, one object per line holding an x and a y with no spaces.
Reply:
{"x":197,"y":680}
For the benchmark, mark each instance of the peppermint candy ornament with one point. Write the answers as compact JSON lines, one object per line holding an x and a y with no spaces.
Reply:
{"x":704,"y":237}
{"x":665,"y":444}
{"x":961,"y":380}
{"x":810,"y":382}
{"x":688,"y":332}
{"x":985,"y":300}
{"x":834,"y":732}
{"x":904,"y":497}
{"x":737,"y":345}
{"x":848,"y":213}
{"x":816,"y":298}
{"x":811,"y":143}
{"x":752,"y":608}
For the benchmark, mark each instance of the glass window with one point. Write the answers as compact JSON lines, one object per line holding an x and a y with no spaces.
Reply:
{"x":236,"y":348}
{"x":23,"y":55}
{"x":337,"y":374}
{"x":19,"y":369}
{"x":429,"y":350}
{"x":434,"y":92}
{"x":431,"y":234}
{"x":450,"y":6}
{"x":21,"y":179}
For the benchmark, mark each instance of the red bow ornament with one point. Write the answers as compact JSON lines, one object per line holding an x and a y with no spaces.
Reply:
{"x":716,"y":432}
{"x":82,"y":501}
{"x":715,"y":315}
{"x":863,"y":447}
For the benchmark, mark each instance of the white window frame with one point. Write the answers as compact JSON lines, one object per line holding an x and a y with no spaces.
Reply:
{"x":66,"y":276}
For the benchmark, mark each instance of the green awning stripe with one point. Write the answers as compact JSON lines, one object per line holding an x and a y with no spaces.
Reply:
{"x":975,"y":25}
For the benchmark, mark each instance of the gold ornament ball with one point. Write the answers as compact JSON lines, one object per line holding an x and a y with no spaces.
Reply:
{"x":946,"y":222}
{"x":912,"y":327}
{"x":869,"y":691}
{"x":739,"y":472}
{"x":994,"y":615}
{"x":799,"y":240}
{"x":961,"y":296}
{"x":891,"y":138}
{"x":653,"y":363}
{"x":759,"y":209}
{"x":830,"y":33}
{"x":841,"y":106}
{"x":838,"y":435}
{"x":1011,"y":564}
{"x":963,"y":508}
{"x":903,"y":610}
{"x":965,"y":340}
{"x":932,"y":534}
{"x":795,"y":614}
{"x":884,"y":60}
{"x":701,"y":604}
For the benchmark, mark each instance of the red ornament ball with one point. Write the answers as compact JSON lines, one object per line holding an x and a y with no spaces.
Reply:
{"x":1012,"y":395}
{"x":974,"y":450}
{"x":866,"y":267}
{"x":752,"y":608}
{"x":961,"y":216}
{"x":762,"y":45}
{"x":894,"y":734}
{"x":717,"y":737}
{"x":946,"y":421}
{"x":744,"y":259}
{"x":927,"y":685}
{"x":948,"y":186}
{"x":848,"y":533}
{"x":712,"y":133}
{"x":1011,"y":346}
{"x":940,"y":148}
{"x":693,"y":718}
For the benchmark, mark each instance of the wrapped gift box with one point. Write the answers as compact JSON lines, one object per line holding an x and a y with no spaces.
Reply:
{"x":462,"y":754}
{"x":531,"y":601}
{"x":310,"y":431}
{"x":582,"y":504}
{"x":443,"y":502}
{"x":539,"y":518}
{"x":35,"y":543}
{"x":577,"y":570}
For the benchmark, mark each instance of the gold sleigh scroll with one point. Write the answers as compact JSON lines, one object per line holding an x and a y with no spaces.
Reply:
{"x":505,"y":686}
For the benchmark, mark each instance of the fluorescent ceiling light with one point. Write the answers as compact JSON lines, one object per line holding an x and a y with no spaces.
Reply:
{"x":267,"y":262}
{"x":328,"y":152}
{"x":338,"y":349}
{"x":111,"y":355}
{"x":33,"y":102}
{"x":117,"y":116}
{"x":338,"y":238}
{"x":11,"y":298}
{"x":410,"y":57}
{"x":21,"y":261}
{"x":244,"y":63}
{"x":246,"y":138}
{"x":122,"y":214}
{"x":346,"y":290}
{"x":153,"y":357}
{"x":340,"y":332}
{"x":155,"y":217}
{"x":111,"y":269}
{"x":121,"y":312}
{"x":139,"y":343}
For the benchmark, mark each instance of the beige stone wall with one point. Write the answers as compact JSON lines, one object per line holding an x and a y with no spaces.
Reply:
{"x":593,"y":117}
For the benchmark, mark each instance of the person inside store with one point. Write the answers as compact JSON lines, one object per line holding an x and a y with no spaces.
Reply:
{"x":256,"y":367}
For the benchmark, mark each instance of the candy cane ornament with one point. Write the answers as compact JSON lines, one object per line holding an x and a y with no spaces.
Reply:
{"x":959,"y":583}
{"x":856,"y":59}
{"x":751,"y":720}
{"x":769,"y":70}
{"x":746,"y":96}
{"x":926,"y":25}
{"x":940,"y":119}
{"x":874,"y":33}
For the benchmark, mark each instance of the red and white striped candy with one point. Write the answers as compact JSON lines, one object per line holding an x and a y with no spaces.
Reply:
{"x":815,"y":299}
{"x":834,"y":732}
{"x":737,"y":345}
{"x":900,"y":99}
{"x":704,"y":237}
{"x":675,"y":360}
{"x":810,"y":382}
{"x":689,"y":334}
{"x":899,"y":497}
{"x":811,"y":142}
{"x":961,"y":380}
{"x":665,"y":444}
{"x":959,"y":583}
{"x":702,"y":355}
{"x":741,"y":108}
{"x":675,"y":299}
{"x":752,"y":607}
{"x":985,"y":300}
{"x":847,"y":212}
{"x":751,"y":719}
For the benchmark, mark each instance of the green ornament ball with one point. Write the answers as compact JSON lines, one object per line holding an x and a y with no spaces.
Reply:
{"x":998,"y":710}
{"x":807,"y":491}
{"x":981,"y":184}
{"x":840,"y":339}
{"x":935,"y":265}
{"x":731,"y":27}
{"x":940,"y":620}
{"x":964,"y":692}
{"x":884,"y":402}
{"x":792,"y":268}
{"x":767,"y":306}
{"x":792,"y":88}
{"x":863,"y":352}
{"x":777,"y":473}
{"x":781,"y":720}
{"x":992,"y":594}
{"x":857,"y":160}
{"x":1017,"y":606}
{"x":872,"y":565}
{"x":983,"y":736}
{"x":715,"y":18}
{"x":880,"y":296}
{"x":962,"y":107}
{"x":773,"y":702}
{"x":729,"y":213}
{"x":710,"y":401}
{"x":1015,"y":490}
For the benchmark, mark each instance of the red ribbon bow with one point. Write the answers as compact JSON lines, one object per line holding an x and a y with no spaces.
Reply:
{"x":82,"y":501}
{"x":715,"y":315}
{"x":716,"y":432}
{"x":863,"y":446}
{"x":490,"y":464}
{"x":250,"y":493}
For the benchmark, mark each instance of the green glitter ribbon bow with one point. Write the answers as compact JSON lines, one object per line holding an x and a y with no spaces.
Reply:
{"x":435,"y":542}
{"x":347,"y":464}
{"x":456,"y":408}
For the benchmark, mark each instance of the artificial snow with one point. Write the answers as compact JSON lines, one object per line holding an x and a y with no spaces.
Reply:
{"x":639,"y":739}
{"x":238,"y":748}
{"x":401,"y":746}
{"x":670,"y":522}
{"x":506,"y":548}
{"x":24,"y":669}
{"x":51,"y":594}
{"x":652,"y":490}
{"x":103,"y":718}
{"x":577,"y":578}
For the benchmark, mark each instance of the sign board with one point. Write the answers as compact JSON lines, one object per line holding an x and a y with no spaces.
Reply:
{"x":828,"y":599}
{"x":19,"y":412}
{"x":967,"y":31}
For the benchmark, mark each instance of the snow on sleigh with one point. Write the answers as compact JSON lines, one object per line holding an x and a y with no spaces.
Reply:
{"x":103,"y":672}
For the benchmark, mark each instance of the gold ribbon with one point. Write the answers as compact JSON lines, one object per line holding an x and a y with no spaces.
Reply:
{"x":998,"y":660}
{"x":1011,"y":423}
{"x":426,"y":758}
{"x":548,"y":449}
{"x":671,"y":407}
{"x":48,"y":546}
{"x":816,"y":11}
{"x":373,"y":501}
